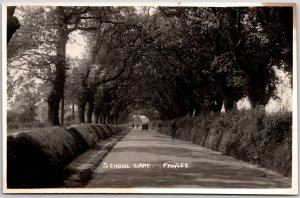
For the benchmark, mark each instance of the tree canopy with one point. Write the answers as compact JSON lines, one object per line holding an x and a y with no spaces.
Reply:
{"x":176,"y":61}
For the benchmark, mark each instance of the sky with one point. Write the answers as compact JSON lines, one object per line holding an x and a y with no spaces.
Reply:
{"x":76,"y":45}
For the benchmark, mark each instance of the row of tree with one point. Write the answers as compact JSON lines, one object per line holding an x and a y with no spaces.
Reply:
{"x":218,"y":56}
{"x":174,"y":60}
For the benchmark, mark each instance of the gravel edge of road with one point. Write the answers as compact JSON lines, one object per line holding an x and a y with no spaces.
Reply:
{"x":80,"y":170}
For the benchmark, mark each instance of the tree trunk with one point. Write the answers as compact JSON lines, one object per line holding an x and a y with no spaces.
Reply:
{"x":53,"y":107}
{"x":90,"y":111}
{"x":97,"y":114}
{"x":257,"y":90}
{"x":73,"y":110}
{"x":13,"y":23}
{"x":216,"y":106}
{"x":81,"y":110}
{"x":59,"y":81}
{"x":62,"y":110}
{"x":219,"y":104}
{"x":97,"y":118}
{"x":228,"y":102}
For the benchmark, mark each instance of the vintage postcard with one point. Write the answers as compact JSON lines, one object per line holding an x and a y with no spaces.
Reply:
{"x":154,"y":98}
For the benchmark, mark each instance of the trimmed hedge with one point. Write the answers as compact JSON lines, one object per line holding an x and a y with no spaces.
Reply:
{"x":17,"y":125}
{"x":37,"y":158}
{"x":252,"y":136}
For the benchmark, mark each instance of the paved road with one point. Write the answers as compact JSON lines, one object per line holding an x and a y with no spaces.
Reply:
{"x":150,"y":159}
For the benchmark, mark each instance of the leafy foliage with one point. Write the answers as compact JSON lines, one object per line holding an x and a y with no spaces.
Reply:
{"x":25,"y":104}
{"x":177,"y":60}
{"x":252,"y":136}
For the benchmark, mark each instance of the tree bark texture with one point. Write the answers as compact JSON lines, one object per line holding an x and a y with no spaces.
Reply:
{"x":81,"y":110}
{"x":57,"y":91}
{"x":62,"y":110}
{"x":90,"y":111}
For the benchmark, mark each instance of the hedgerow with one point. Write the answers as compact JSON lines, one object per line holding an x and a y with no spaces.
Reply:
{"x":37,"y":158}
{"x":253,"y":136}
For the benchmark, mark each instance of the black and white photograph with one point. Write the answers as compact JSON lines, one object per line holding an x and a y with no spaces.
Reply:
{"x":171,"y":98}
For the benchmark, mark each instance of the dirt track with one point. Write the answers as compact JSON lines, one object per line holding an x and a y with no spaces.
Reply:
{"x":150,"y":159}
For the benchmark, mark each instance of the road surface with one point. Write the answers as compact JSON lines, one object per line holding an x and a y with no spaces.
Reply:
{"x":150,"y":159}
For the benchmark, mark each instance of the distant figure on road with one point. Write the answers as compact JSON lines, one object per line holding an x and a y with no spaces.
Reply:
{"x":173,"y":129}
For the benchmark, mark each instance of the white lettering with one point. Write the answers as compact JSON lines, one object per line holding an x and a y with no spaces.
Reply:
{"x":105,"y":165}
{"x":141,"y":165}
{"x":119,"y":166}
{"x":175,"y":165}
